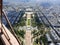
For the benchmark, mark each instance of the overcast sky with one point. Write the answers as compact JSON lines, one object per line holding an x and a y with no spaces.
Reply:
{"x":18,"y":1}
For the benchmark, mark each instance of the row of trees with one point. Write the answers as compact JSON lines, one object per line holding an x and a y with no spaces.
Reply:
{"x":39,"y":35}
{"x":20,"y":33}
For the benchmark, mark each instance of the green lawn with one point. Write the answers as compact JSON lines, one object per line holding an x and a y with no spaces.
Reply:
{"x":28,"y":21}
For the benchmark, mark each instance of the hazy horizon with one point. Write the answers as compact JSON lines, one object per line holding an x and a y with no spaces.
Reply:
{"x":32,"y":1}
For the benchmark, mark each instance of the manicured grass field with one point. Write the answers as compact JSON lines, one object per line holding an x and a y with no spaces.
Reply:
{"x":28,"y":21}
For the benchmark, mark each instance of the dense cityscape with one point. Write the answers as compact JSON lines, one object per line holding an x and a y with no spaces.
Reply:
{"x":33,"y":24}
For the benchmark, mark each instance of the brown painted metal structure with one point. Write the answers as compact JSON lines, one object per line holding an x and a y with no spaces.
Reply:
{"x":1,"y":11}
{"x":1,"y":29}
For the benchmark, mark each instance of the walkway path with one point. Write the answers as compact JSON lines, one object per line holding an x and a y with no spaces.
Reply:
{"x":28,"y":35}
{"x":28,"y":38}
